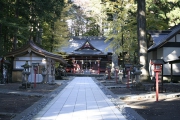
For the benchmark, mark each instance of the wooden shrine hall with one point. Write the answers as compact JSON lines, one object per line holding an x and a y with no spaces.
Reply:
{"x":87,"y":55}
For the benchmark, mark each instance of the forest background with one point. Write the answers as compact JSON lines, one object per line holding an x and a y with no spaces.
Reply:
{"x":51,"y":23}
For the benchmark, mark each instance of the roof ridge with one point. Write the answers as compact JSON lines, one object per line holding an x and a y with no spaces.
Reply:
{"x":84,"y":46}
{"x":166,"y":38}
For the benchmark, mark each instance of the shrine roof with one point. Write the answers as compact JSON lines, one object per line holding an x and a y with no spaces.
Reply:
{"x":32,"y":47}
{"x":87,"y":45}
{"x":162,"y":37}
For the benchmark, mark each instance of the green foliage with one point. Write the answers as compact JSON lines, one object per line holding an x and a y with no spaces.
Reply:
{"x":23,"y":20}
{"x":122,"y":22}
{"x":57,"y":34}
{"x":122,"y":28}
{"x":162,"y":13}
{"x":87,"y":18}
{"x":92,"y":28}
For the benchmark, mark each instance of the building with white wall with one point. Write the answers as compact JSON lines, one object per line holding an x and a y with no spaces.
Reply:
{"x":35,"y":56}
{"x":166,"y":46}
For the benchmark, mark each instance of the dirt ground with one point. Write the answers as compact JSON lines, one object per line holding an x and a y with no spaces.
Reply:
{"x":12,"y":102}
{"x":150,"y":109}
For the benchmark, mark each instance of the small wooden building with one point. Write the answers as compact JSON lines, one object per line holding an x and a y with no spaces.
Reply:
{"x":36,"y":57}
{"x":166,"y":46}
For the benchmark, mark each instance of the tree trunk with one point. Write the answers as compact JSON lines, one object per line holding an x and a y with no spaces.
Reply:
{"x":142,"y":42}
{"x":1,"y":41}
{"x":16,"y":29}
{"x":52,"y":38}
{"x":1,"y":34}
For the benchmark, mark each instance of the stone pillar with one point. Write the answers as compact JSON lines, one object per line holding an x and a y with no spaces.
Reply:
{"x":114,"y":62}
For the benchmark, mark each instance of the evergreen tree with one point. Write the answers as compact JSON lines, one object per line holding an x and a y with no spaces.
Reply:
{"x":165,"y":11}
{"x":61,"y":32}
{"x":121,"y":26}
{"x":87,"y":18}
{"x":24,"y":20}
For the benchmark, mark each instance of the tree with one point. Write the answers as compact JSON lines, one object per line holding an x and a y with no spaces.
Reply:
{"x":121,"y":26}
{"x":87,"y":18}
{"x":61,"y":31}
{"x":76,"y":20}
{"x":164,"y":10}
{"x":122,"y":22}
{"x":24,"y":20}
{"x":141,"y":35}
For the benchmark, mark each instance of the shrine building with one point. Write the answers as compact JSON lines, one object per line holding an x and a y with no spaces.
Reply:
{"x":36,"y":58}
{"x":88,"y":55}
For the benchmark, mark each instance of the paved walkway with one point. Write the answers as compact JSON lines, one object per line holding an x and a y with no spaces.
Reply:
{"x":81,"y":99}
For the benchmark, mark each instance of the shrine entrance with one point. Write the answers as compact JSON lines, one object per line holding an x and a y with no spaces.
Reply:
{"x":93,"y":65}
{"x":87,"y":54}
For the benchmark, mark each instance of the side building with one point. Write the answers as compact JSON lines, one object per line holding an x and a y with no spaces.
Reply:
{"x":166,"y":46}
{"x":37,"y":58}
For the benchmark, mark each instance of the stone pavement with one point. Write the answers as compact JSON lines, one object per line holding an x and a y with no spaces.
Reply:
{"x":81,"y":99}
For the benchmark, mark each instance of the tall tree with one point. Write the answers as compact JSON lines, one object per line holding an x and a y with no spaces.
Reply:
{"x":121,"y":26}
{"x":141,"y":35}
{"x":22,"y":20}
{"x":61,"y":31}
{"x":88,"y":17}
{"x":75,"y":20}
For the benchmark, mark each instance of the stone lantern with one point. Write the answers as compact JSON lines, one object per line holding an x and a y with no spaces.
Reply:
{"x":26,"y":72}
{"x":120,"y":73}
{"x":44,"y":74}
{"x":137,"y":72}
{"x":116,"y":72}
{"x":43,"y":70}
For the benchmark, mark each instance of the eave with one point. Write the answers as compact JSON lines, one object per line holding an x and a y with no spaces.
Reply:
{"x":32,"y":47}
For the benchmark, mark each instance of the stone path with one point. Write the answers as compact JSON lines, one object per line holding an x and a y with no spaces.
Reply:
{"x":81,"y":99}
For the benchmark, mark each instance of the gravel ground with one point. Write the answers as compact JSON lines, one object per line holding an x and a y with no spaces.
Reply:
{"x":148,"y":109}
{"x":23,"y":104}
{"x":12,"y":105}
{"x":26,"y":103}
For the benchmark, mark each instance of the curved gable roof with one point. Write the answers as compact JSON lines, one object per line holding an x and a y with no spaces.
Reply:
{"x":87,"y":45}
{"x":31,"y":46}
{"x":77,"y":45}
